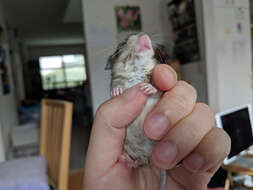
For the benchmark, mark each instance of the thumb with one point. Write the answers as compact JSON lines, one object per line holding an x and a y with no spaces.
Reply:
{"x":109,"y":129}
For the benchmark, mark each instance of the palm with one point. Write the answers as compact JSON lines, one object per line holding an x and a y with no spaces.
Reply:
{"x":122,"y":177}
{"x":148,"y":178}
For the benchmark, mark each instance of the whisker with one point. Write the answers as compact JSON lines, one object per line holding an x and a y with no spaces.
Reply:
{"x":159,"y":41}
{"x":114,"y":49}
{"x":162,"y":60}
{"x":156,"y":44}
{"x":156,"y":37}
{"x":109,"y":49}
{"x":160,"y":35}
{"x":106,"y":50}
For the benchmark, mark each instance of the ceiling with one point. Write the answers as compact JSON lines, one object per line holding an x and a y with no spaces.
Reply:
{"x":73,"y":12}
{"x":45,"y":18}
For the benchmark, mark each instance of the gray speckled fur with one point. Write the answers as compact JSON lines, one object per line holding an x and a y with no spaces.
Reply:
{"x":137,"y":145}
{"x":128,"y":70}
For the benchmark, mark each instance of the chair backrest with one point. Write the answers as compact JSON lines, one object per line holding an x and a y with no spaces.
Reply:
{"x":56,"y":124}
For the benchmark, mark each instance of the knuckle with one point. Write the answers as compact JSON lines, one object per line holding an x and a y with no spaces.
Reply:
{"x":102,"y":113}
{"x":186,"y":90}
{"x":225,"y":139}
{"x":189,"y":88}
{"x":184,"y":96}
{"x":227,"y":142}
{"x":204,"y":109}
{"x":107,"y":116}
{"x":177,"y":108}
{"x":183,"y":104}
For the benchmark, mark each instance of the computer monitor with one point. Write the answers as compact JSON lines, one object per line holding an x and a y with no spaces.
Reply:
{"x":237,"y":122}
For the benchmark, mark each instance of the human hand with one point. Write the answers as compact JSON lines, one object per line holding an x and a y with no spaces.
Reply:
{"x":185,"y":131}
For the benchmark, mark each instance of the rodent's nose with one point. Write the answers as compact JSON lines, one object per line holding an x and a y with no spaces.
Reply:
{"x":144,"y":43}
{"x":144,"y":37}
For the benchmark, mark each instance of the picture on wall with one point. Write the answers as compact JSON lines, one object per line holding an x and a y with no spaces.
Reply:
{"x":3,"y":66}
{"x":184,"y":25}
{"x":128,"y":18}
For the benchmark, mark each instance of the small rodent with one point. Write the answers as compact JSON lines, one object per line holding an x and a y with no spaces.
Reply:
{"x":132,"y":63}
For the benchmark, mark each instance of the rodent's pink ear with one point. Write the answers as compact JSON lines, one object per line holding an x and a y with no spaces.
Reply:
{"x":143,"y":43}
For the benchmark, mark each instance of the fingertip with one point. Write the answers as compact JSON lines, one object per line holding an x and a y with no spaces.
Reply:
{"x":164,"y":77}
{"x":122,"y":109}
{"x":156,"y":126}
{"x":133,"y":93}
{"x":164,"y":155}
{"x":200,"y":160}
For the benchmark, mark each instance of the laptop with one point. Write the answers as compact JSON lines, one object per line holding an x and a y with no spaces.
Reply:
{"x":237,"y":122}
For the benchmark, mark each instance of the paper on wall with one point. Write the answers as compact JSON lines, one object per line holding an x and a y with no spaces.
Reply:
{"x":238,"y":48}
{"x":232,"y":31}
{"x":224,"y":35}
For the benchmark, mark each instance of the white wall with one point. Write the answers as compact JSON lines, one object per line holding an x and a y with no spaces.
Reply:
{"x":229,"y":83}
{"x":73,"y":13}
{"x":195,"y":72}
{"x":17,"y":66}
{"x":35,"y":52}
{"x":2,"y":150}
{"x":8,"y":107}
{"x":101,"y":35}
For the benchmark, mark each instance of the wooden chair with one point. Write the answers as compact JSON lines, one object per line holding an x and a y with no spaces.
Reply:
{"x":56,"y":124}
{"x":233,"y":168}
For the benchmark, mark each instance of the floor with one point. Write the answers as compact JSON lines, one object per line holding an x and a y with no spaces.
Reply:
{"x":79,"y":146}
{"x":76,"y":180}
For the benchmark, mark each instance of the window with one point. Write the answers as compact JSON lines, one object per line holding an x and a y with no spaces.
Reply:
{"x":58,"y":72}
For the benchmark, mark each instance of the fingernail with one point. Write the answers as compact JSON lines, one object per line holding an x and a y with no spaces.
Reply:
{"x":131,"y":93}
{"x":194,"y":162}
{"x":167,"y":73}
{"x":165,"y":153}
{"x":156,"y":126}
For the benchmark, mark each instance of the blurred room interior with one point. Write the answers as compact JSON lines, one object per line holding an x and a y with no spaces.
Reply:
{"x":58,"y":50}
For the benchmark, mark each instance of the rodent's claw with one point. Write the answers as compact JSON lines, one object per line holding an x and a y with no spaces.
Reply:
{"x":116,"y":92}
{"x":128,"y":161}
{"x":148,"y":89}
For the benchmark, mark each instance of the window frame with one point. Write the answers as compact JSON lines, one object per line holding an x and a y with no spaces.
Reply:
{"x":64,"y":69}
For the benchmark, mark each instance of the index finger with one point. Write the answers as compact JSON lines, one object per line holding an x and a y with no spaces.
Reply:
{"x":164,"y":77}
{"x":109,"y":130}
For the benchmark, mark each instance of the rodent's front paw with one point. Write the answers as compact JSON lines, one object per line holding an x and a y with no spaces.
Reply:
{"x":116,"y":92}
{"x":128,"y":161}
{"x":148,"y":89}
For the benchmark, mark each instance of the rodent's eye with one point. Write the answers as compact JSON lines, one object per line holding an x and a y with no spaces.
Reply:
{"x":132,"y":38}
{"x":125,"y":59}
